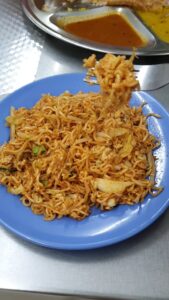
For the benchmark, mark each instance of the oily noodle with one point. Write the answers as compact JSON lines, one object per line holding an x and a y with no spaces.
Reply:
{"x":71,"y":152}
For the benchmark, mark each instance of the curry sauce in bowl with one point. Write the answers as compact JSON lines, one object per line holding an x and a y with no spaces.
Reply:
{"x":117,"y":27}
{"x":112,"y":29}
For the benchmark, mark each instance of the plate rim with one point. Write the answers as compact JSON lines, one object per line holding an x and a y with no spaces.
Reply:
{"x":88,"y":246}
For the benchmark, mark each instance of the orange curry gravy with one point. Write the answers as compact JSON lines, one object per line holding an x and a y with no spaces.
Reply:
{"x":111,"y":29}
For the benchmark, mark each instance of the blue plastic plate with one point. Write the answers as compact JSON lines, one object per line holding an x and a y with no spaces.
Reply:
{"x":100,"y":228}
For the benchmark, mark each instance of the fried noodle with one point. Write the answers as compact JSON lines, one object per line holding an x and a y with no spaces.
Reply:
{"x":71,"y":152}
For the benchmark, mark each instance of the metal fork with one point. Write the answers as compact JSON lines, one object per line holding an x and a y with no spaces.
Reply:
{"x":60,"y":5}
{"x":150,"y":77}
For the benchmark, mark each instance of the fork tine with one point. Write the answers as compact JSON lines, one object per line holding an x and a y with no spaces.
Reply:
{"x":90,"y":75}
{"x":91,"y":81}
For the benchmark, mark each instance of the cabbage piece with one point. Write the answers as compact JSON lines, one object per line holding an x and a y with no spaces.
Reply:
{"x":128,"y":147}
{"x":118,"y":131}
{"x":111,"y":186}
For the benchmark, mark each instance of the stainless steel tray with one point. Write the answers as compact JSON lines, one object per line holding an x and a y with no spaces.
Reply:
{"x":47,"y":22}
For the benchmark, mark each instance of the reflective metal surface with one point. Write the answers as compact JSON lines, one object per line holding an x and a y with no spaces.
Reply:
{"x":135,"y":269}
{"x":20,"y":49}
{"x":47,"y":22}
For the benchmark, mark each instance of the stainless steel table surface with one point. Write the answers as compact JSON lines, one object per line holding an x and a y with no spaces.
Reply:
{"x":134,"y":269}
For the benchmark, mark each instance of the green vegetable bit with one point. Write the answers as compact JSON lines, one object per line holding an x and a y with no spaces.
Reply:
{"x":44,"y":182}
{"x":38,"y":150}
